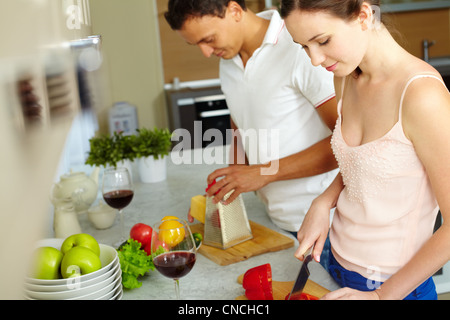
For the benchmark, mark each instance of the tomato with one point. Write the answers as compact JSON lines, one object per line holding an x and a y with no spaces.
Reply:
{"x":143,"y":234}
{"x":159,"y":243}
{"x":257,"y":283}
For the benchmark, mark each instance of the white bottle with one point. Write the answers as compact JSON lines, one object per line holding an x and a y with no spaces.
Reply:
{"x":65,"y":220}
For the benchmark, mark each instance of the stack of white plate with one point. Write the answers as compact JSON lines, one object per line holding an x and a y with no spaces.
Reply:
{"x":103,"y":284}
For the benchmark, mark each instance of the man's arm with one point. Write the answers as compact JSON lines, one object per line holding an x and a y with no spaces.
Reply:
{"x":315,"y":160}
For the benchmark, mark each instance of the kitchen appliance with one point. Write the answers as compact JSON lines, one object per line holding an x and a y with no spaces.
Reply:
{"x":302,"y":277}
{"x":226,"y":225}
{"x":123,"y":118}
{"x":198,"y":110}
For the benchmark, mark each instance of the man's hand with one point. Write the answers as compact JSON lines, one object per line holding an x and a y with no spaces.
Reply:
{"x":240,"y":178}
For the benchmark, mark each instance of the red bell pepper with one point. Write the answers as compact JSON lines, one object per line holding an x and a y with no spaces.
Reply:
{"x":210,"y":185}
{"x":257,"y":283}
{"x":302,"y":296}
{"x":215,"y":219}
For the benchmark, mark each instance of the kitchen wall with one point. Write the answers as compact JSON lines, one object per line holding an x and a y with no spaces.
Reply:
{"x":130,"y":40}
{"x":185,"y":62}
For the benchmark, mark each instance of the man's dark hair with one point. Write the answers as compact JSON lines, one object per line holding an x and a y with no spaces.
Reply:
{"x":181,"y":10}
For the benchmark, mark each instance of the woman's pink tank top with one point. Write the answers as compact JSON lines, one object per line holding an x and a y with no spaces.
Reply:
{"x":387,"y":209}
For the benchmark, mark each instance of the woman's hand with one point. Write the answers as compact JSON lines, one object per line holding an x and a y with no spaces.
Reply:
{"x":314,"y":230}
{"x":351,"y":294}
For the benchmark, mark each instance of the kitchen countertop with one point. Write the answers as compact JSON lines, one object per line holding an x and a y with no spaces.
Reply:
{"x":207,"y":280}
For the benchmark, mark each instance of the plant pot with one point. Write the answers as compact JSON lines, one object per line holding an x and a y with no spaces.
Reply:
{"x":126,"y":163}
{"x":152,"y":170}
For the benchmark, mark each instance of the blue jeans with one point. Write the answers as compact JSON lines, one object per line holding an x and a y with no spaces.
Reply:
{"x":350,"y":279}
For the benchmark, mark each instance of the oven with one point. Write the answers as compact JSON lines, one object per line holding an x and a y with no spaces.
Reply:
{"x":202,"y":113}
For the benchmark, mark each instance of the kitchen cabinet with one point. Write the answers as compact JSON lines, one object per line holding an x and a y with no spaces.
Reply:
{"x":181,"y":60}
{"x":184,"y":61}
{"x":411,"y":28}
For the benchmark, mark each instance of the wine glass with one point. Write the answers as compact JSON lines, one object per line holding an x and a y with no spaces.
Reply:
{"x":117,"y":190}
{"x":173,"y":249}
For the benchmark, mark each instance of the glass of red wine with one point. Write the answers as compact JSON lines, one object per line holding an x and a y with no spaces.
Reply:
{"x":173,"y":249}
{"x":117,"y":190}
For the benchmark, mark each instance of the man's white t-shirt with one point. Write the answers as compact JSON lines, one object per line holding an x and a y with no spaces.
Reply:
{"x":272,"y":101}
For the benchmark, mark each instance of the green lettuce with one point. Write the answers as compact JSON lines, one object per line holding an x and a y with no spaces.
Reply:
{"x":134,"y":263}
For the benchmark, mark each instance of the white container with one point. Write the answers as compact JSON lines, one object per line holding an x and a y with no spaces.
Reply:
{"x":102,"y":216}
{"x":65,"y":220}
{"x":123,"y":117}
{"x":151,"y":170}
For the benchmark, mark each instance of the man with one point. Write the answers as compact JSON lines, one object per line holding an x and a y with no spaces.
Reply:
{"x":270,"y":87}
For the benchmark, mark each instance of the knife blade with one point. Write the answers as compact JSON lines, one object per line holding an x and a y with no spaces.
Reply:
{"x":302,"y":277}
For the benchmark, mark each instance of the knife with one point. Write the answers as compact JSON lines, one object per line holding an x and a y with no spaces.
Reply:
{"x":302,"y":277}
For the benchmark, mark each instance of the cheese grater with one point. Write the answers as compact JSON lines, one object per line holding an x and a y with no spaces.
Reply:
{"x":226,"y":225}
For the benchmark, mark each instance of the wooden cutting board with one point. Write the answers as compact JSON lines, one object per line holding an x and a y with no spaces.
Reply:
{"x":282,"y":288}
{"x":264,"y":240}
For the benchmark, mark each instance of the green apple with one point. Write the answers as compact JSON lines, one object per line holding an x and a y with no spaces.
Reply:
{"x":79,"y":261}
{"x":80,"y":240}
{"x":46,"y":263}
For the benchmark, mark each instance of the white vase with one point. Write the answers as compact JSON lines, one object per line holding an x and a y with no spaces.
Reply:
{"x":152,"y":170}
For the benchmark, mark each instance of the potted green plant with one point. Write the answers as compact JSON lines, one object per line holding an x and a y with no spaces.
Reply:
{"x":113,"y":151}
{"x":151,"y":148}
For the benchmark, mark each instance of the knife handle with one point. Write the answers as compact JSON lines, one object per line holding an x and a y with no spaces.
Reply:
{"x":308,"y":252}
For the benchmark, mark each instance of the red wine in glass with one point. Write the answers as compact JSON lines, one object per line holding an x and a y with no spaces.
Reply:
{"x":175,"y":264}
{"x":118,"y":199}
{"x":117,"y":191}
{"x":173,"y":250}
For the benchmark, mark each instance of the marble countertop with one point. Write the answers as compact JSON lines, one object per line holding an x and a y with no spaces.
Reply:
{"x":207,"y":280}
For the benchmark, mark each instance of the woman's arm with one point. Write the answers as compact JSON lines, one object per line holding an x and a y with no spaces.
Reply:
{"x":315,"y":226}
{"x":426,"y":121}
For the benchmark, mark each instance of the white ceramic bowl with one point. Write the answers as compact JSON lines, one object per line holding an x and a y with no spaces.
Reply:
{"x":117,"y":296}
{"x":102,"y":216}
{"x":114,"y":293}
{"x":101,"y":292}
{"x":108,"y":257}
{"x":104,"y":287}
{"x":74,"y":284}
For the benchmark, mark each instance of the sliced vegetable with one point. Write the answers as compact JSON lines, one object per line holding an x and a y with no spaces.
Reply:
{"x":302,"y":296}
{"x":257,"y":283}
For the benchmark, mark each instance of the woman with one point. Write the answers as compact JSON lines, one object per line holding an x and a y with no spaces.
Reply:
{"x":392,"y":144}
